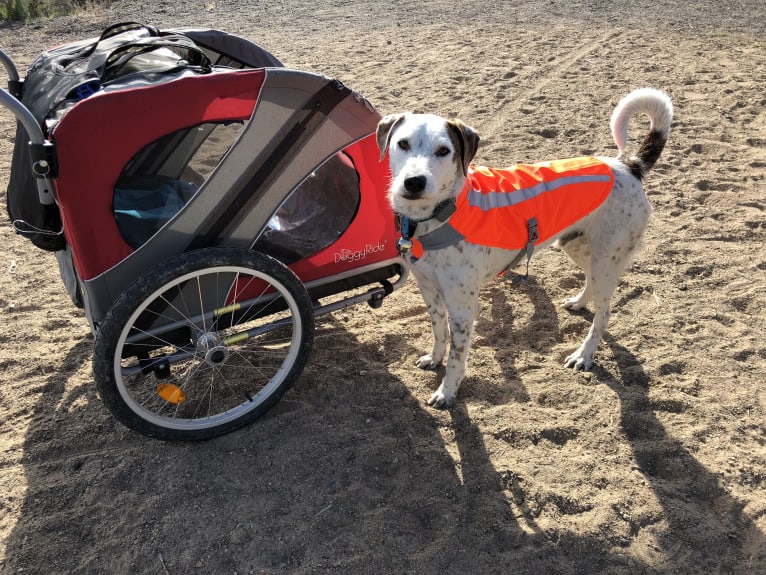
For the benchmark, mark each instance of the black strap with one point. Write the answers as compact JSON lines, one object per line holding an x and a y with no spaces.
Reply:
{"x":111,"y":31}
{"x":16,"y":88}
{"x":120,"y":56}
{"x":123,"y":27}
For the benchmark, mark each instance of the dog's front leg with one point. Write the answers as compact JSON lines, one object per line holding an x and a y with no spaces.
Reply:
{"x":437,"y":310}
{"x":461,"y":323}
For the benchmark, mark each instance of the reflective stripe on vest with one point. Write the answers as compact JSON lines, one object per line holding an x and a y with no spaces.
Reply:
{"x":495,"y":206}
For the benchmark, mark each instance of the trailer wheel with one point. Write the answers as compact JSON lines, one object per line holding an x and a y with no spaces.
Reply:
{"x":204,"y":344}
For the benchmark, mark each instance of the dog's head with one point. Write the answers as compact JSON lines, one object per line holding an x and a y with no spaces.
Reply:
{"x":429,"y":158}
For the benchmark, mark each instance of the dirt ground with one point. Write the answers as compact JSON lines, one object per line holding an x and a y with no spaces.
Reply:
{"x":654,"y":462}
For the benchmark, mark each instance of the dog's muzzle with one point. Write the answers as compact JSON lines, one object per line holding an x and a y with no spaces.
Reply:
{"x":414,"y":186}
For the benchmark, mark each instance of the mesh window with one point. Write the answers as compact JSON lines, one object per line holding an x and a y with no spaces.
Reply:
{"x":315,"y":214}
{"x":166,"y":173}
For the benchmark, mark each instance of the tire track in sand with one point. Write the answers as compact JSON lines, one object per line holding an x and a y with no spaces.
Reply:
{"x":552,"y":74}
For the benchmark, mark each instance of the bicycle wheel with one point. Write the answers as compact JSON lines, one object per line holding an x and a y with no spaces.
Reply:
{"x":204,"y":344}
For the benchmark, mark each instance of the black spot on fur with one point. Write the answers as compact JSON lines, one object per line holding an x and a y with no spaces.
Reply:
{"x":636,"y":168}
{"x":648,"y":154}
{"x":465,"y":140}
{"x":566,"y":238}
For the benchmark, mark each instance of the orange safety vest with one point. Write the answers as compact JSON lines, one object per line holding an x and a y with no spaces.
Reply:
{"x":496,"y":206}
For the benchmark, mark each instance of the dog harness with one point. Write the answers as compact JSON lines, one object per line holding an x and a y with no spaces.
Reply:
{"x":518,"y":207}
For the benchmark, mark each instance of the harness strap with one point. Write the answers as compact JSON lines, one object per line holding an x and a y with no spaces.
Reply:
{"x":441,"y":237}
{"x":532,"y":237}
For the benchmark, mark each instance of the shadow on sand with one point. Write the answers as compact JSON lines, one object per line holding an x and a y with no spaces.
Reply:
{"x":348,"y":474}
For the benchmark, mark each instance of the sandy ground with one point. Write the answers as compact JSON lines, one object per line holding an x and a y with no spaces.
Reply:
{"x":655,"y":462}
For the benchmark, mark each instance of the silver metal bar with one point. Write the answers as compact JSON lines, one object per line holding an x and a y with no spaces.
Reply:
{"x":9,"y":66}
{"x":27,"y":119}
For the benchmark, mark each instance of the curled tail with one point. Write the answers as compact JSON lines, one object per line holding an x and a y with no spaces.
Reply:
{"x":658,"y":107}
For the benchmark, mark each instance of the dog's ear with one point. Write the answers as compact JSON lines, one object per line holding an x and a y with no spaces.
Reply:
{"x":383,"y":132}
{"x":466,"y":141}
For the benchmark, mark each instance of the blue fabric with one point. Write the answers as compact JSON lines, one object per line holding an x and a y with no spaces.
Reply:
{"x":147,"y":205}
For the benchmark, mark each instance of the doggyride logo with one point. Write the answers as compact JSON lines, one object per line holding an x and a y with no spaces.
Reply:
{"x":357,"y":255}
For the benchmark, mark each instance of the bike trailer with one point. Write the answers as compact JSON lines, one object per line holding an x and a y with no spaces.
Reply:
{"x":211,"y":204}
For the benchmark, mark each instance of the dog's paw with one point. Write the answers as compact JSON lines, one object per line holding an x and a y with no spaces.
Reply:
{"x":440,"y":401}
{"x":427,"y":362}
{"x":574,"y":303}
{"x":578,"y":361}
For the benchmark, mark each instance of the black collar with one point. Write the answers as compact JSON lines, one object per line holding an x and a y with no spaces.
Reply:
{"x":442,"y":212}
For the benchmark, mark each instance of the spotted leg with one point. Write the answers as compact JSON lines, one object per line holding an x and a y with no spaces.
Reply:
{"x":579,"y":251}
{"x":437,"y":310}
{"x":604,"y":272}
{"x":461,"y":321}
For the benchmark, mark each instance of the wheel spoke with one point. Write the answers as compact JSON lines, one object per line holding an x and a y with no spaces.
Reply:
{"x":208,"y":348}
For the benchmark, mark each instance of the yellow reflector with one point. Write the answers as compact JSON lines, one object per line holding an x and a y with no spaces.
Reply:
{"x":227,"y":309}
{"x":171,"y":393}
{"x":236,"y":338}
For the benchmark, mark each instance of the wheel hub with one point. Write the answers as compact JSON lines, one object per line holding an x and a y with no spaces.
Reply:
{"x":217,"y":355}
{"x":214,"y":352}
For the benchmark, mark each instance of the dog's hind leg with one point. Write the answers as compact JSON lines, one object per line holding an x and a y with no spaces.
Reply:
{"x":607,"y":262}
{"x":578,"y":250}
{"x":603,"y":281}
{"x":613,"y":239}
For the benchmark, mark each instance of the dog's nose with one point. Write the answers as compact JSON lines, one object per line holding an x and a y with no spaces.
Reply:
{"x":415,"y":185}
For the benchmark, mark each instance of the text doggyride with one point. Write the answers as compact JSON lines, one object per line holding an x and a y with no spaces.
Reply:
{"x":345,"y":255}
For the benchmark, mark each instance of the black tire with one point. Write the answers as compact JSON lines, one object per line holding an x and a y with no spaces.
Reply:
{"x":204,"y":344}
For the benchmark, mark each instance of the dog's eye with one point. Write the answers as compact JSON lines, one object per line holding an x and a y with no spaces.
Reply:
{"x":403,"y":145}
{"x":442,"y":151}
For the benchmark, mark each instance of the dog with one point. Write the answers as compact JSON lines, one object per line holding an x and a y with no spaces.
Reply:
{"x":453,"y":242}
